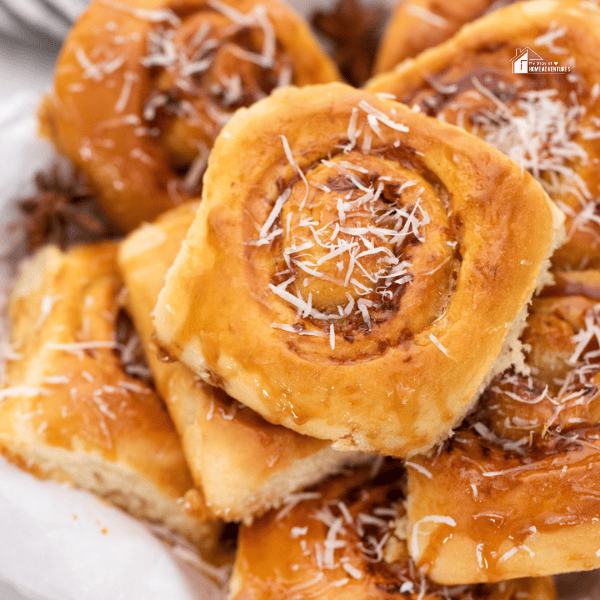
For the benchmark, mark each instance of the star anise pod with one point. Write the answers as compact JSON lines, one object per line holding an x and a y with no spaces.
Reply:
{"x":355,"y":31}
{"x":62,"y":210}
{"x":130,"y":350}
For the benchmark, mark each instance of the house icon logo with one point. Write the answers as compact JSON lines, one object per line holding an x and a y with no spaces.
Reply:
{"x":526,"y":61}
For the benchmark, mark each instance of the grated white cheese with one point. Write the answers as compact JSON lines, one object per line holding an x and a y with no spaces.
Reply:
{"x":369,"y":266}
{"x":77,"y":347}
{"x":298,"y":532}
{"x":90,"y":69}
{"x":293,"y":499}
{"x":381,"y":116}
{"x":23,"y":390}
{"x":439,"y":345}
{"x":289,"y":156}
{"x":307,"y":584}
{"x":211,"y":411}
{"x":352,"y":571}
{"x":550,"y":37}
{"x":56,"y":379}
{"x":414,"y":542}
{"x":281,"y":200}
{"x":129,"y":79}
{"x":46,"y":306}
{"x":257,"y":16}
{"x":537,"y":132}
{"x":421,"y":469}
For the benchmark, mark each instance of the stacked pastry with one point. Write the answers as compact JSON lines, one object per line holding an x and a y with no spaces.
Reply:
{"x":524,"y":461}
{"x":351,"y":278}
{"x":142,"y":88}
{"x":546,"y":121}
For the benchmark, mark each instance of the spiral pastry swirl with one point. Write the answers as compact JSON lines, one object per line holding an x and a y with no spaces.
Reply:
{"x":143,"y":87}
{"x":518,"y":483}
{"x":523,"y":80}
{"x":367,"y":247}
{"x":341,"y":542}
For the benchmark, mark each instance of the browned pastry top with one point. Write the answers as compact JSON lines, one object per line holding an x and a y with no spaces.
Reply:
{"x":364,"y":248}
{"x":143,"y":87}
{"x":338,"y":542}
{"x":545,"y":121}
{"x":416,"y":25}
{"x":524,"y":468}
{"x":77,"y":403}
{"x":67,"y":381}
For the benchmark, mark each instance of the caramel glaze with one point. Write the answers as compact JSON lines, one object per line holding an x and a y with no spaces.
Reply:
{"x":527,"y":460}
{"x":192,"y":107}
{"x":143,"y":88}
{"x":408,"y":33}
{"x":450,"y":89}
{"x":91,"y":404}
{"x":474,"y":240}
{"x":277,"y":554}
{"x":435,"y":263}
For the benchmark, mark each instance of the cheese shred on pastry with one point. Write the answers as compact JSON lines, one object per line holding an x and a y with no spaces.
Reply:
{"x":340,"y":541}
{"x":516,"y":491}
{"x":71,"y":408}
{"x":242,"y":464}
{"x":142,"y":87}
{"x":347,"y":277}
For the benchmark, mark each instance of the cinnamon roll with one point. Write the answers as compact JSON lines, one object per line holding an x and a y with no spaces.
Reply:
{"x":338,"y":280}
{"x":525,"y":80}
{"x":142,"y":87}
{"x":515,"y":492}
{"x":76,"y":405}
{"x":340,"y":541}
{"x":416,"y":25}
{"x":242,"y":464}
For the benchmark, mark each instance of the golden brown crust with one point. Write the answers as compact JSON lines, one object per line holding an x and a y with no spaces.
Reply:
{"x":142,"y":87}
{"x":547,"y":122}
{"x":242,"y":464}
{"x":69,"y":410}
{"x":416,"y":25}
{"x":360,"y":379}
{"x":339,"y":545}
{"x":517,"y":486}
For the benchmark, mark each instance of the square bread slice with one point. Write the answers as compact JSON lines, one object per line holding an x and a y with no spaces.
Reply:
{"x":243,"y":464}
{"x":69,"y":410}
{"x":355,"y":288}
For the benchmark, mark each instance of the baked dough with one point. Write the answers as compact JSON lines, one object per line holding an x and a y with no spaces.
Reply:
{"x":416,"y":25}
{"x":516,"y":491}
{"x":68,"y":409}
{"x":339,"y":543}
{"x":367,"y":305}
{"x":142,"y":88}
{"x":547,"y":122}
{"x":242,"y":464}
